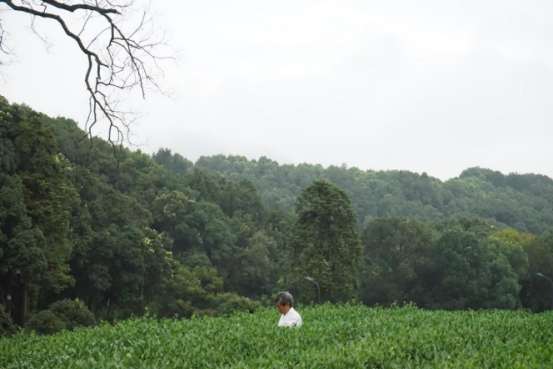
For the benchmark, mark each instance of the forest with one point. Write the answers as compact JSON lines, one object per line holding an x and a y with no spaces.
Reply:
{"x":90,"y":231}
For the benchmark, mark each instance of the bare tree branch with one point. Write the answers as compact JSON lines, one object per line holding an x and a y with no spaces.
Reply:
{"x":117,"y":59}
{"x":72,"y":8}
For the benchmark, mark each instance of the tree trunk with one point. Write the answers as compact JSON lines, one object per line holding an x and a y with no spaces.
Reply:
{"x":92,"y":307}
{"x":24,"y":303}
{"x":110,"y":311}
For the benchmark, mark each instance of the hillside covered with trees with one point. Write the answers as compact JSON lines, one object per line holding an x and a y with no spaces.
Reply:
{"x":91,"y":231}
{"x":520,"y":201}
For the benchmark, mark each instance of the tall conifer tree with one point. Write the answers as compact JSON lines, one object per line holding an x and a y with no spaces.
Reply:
{"x":325,"y":243}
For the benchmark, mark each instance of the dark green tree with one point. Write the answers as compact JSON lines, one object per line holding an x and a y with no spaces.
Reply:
{"x":198,"y":291}
{"x":116,"y":255}
{"x":324,"y":242}
{"x":6,"y":325}
{"x":35,"y":201}
{"x":536,"y":291}
{"x":396,"y":256}
{"x":473,"y":269}
{"x":173,"y":162}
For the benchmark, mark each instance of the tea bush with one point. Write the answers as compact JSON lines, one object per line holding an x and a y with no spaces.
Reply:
{"x":331,"y":337}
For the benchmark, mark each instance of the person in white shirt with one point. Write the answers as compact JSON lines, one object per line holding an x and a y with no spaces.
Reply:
{"x":290,"y":317}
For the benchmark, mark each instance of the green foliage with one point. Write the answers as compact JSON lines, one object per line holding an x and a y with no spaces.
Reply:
{"x":6,"y":324}
{"x":253,"y":269}
{"x":452,"y":265}
{"x":73,"y":313}
{"x":473,"y":269}
{"x":199,"y":292}
{"x":185,"y":292}
{"x":124,"y":231}
{"x":396,"y":258}
{"x":331,"y":337}
{"x":324,"y":241}
{"x":36,"y":198}
{"x":175,"y":163}
{"x":45,"y":322}
{"x":229,"y":303}
{"x":513,"y":236}
{"x":62,"y":315}
{"x":519,"y":201}
{"x":536,"y":291}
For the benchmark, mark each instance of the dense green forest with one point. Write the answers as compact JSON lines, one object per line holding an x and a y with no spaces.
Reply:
{"x":523,"y":202}
{"x":89,"y":231}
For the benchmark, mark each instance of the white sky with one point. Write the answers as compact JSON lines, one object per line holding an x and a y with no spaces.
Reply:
{"x":434,"y":86}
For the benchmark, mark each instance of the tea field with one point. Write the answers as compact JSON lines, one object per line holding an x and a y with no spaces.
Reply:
{"x":331,"y":337}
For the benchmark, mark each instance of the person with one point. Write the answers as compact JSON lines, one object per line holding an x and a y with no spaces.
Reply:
{"x":285,"y":305}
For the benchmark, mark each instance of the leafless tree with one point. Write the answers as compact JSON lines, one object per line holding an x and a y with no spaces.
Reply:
{"x":122,"y":47}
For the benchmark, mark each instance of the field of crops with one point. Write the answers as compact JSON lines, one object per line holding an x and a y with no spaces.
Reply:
{"x":331,"y":337}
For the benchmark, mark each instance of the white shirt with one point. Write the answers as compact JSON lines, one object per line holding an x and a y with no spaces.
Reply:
{"x":290,"y":319}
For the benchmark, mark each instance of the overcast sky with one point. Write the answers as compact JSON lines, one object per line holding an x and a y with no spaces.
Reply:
{"x":426,"y":86}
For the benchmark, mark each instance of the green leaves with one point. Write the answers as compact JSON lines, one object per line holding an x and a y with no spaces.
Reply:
{"x":36,"y":198}
{"x":396,"y":257}
{"x":515,"y":200}
{"x":325,"y":242}
{"x":331,"y":337}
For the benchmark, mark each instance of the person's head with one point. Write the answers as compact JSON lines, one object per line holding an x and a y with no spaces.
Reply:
{"x":284,"y":302}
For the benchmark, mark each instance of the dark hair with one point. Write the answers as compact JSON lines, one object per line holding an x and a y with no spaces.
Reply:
{"x":285,"y":298}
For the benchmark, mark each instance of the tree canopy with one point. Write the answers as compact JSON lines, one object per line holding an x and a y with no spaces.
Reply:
{"x":520,"y":201}
{"x":324,"y":242}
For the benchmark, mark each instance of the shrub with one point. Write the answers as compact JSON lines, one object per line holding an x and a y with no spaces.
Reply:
{"x":228,"y":303}
{"x":6,"y":324}
{"x":73,"y":313}
{"x":45,"y":322}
